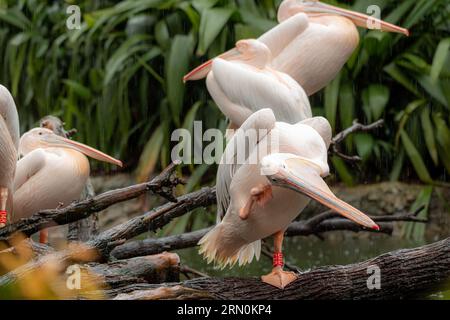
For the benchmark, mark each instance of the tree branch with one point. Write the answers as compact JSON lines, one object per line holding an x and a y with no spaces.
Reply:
{"x":325,"y":222}
{"x":356,"y":127}
{"x":161,"y":185}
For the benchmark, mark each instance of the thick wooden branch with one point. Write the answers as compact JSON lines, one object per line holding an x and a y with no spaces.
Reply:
{"x":152,"y":221}
{"x":99,"y":248}
{"x":356,"y":127}
{"x":321,"y":223}
{"x":325,"y":222}
{"x":403,"y":274}
{"x":161,"y":268}
{"x":161,"y":185}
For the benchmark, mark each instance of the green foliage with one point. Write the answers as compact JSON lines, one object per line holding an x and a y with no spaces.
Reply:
{"x":118,"y":78}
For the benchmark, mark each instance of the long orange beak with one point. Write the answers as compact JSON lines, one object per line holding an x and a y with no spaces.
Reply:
{"x":202,"y":71}
{"x":360,"y":19}
{"x":300,"y":176}
{"x":60,"y":142}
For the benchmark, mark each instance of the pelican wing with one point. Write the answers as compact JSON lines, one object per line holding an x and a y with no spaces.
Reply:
{"x":8,"y":155}
{"x":261,"y":123}
{"x":8,"y":111}
{"x":303,"y":176}
{"x":28,"y":167}
{"x":255,"y":89}
{"x":280,"y":36}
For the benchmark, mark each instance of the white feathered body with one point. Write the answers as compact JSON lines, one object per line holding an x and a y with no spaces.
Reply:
{"x":235,"y":240}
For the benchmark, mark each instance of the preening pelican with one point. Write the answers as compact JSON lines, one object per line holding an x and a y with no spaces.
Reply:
{"x":250,"y":208}
{"x":9,"y":143}
{"x":312,"y":42}
{"x":241,"y":82}
{"x":52,"y":172}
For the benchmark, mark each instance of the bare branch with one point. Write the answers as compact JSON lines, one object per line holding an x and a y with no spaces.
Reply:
{"x":325,"y":222}
{"x":162,"y":185}
{"x":356,"y":127}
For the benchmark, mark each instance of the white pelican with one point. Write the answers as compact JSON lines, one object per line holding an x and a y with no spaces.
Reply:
{"x":241,"y":82}
{"x":251,"y":209}
{"x":52,"y":173}
{"x":312,"y":42}
{"x":9,"y":142}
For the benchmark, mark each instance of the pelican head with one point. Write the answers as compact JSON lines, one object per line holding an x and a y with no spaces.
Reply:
{"x":314,"y":8}
{"x":275,"y":163}
{"x":44,"y":138}
{"x":303,"y":176}
{"x":250,"y":51}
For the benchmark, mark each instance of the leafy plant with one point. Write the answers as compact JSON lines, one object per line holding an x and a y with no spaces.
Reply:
{"x":118,"y":78}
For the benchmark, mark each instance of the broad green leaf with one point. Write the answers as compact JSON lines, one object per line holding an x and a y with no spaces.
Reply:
{"x":331,"y":100}
{"x":212,"y":22}
{"x":347,"y":109}
{"x":416,"y":158}
{"x":259,"y":23}
{"x":440,"y":57}
{"x":398,"y":166}
{"x":177,"y":65}
{"x":375,"y":99}
{"x":364,"y":144}
{"x":196,"y":177}
{"x":405,"y":114}
{"x":413,"y":230}
{"x":428,"y":132}
{"x":162,"y":35}
{"x":396,"y":73}
{"x":342,"y":171}
{"x":117,"y":62}
{"x":243,"y":31}
{"x":433,"y":89}
{"x":201,"y":5}
{"x":150,"y":155}
{"x":419,"y":12}
{"x":78,"y":88}
{"x":443,"y":139}
{"x":193,"y":15}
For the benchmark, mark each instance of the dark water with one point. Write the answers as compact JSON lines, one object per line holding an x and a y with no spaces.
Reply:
{"x":311,"y":252}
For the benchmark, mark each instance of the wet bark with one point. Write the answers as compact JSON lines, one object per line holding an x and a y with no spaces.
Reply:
{"x":403,"y":274}
{"x":86,"y":229}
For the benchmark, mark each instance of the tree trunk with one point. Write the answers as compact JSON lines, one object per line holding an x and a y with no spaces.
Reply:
{"x":84,"y":230}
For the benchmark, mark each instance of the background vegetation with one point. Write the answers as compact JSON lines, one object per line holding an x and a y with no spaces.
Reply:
{"x":118,"y":78}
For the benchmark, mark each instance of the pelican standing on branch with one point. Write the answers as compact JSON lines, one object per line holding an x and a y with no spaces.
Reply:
{"x":250,"y":208}
{"x":242,"y":82}
{"x":312,"y":42}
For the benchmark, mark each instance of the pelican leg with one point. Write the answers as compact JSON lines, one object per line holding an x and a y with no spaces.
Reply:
{"x":3,"y":201}
{"x":259,"y":195}
{"x":278,"y":277}
{"x":43,"y":236}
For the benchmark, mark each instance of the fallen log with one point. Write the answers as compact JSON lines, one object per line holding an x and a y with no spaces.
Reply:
{"x":402,"y":274}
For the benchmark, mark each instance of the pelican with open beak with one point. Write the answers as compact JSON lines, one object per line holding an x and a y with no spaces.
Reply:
{"x":52,"y":173}
{"x":312,"y":42}
{"x":251,"y":208}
